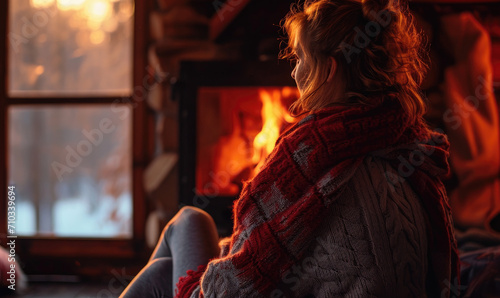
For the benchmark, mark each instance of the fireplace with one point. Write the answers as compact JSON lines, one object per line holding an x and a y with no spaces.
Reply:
{"x":231,"y":114}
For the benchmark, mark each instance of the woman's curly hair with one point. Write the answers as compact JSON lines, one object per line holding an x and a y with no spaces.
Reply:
{"x":377,"y":48}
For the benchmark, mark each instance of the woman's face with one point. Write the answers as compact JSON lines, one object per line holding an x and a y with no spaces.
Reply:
{"x":299,"y":73}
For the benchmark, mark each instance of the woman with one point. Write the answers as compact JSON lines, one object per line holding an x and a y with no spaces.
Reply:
{"x":350,"y":202}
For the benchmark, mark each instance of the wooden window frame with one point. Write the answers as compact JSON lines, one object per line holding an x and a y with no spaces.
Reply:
{"x":89,"y":257}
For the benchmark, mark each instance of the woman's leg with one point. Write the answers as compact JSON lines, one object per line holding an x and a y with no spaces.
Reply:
{"x":154,"y":280}
{"x":190,"y":239}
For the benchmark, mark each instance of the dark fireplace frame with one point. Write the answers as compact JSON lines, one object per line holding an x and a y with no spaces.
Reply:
{"x":196,"y":74}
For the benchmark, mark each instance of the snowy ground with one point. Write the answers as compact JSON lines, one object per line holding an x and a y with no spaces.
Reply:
{"x":76,"y":217}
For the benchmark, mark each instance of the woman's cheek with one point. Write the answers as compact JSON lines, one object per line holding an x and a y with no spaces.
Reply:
{"x":300,"y":77}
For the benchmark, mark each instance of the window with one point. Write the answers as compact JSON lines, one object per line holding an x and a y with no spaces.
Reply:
{"x":71,"y":168}
{"x":74,"y":116}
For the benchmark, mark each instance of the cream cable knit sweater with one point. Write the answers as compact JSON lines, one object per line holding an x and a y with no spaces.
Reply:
{"x":373,"y":244}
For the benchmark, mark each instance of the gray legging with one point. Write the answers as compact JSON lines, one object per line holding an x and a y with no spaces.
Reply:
{"x":190,"y":239}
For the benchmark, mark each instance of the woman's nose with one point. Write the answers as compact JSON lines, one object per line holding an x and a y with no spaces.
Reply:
{"x":293,"y":72}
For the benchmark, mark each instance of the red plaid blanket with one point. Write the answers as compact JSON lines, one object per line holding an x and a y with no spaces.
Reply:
{"x":278,"y":213}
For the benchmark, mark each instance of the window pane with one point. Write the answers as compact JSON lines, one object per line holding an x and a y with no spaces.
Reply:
{"x":71,"y":166}
{"x":70,"y":47}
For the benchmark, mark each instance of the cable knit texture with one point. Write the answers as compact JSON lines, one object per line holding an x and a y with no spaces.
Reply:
{"x":342,"y":208}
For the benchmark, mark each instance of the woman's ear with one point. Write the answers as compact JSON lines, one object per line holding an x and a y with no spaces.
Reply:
{"x":333,"y":69}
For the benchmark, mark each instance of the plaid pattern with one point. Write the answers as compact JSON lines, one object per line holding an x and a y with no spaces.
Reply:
{"x":279,"y":212}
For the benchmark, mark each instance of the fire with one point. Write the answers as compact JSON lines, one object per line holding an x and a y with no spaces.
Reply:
{"x":240,"y":128}
{"x":274,"y":115}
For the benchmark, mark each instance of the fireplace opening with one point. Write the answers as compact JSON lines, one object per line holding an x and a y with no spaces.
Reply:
{"x":237,"y":129}
{"x":231,"y":114}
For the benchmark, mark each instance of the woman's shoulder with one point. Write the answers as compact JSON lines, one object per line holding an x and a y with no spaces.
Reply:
{"x":377,"y":188}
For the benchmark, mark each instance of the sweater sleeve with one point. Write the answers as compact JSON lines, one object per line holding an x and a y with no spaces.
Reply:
{"x":189,"y":285}
{"x":221,"y":279}
{"x":217,"y":279}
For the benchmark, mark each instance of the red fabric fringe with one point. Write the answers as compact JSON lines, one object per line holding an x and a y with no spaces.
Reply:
{"x":187,"y":284}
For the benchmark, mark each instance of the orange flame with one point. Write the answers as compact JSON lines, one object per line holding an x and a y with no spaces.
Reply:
{"x":274,"y":115}
{"x":248,"y":125}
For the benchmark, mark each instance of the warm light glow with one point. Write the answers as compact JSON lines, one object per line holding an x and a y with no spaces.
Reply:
{"x":94,"y":25}
{"x":42,"y":38}
{"x":96,"y":17}
{"x":82,"y":39}
{"x":42,"y":3}
{"x":97,"y":37}
{"x":34,"y":73}
{"x":126,"y":10}
{"x":110,"y":25}
{"x":39,"y":70}
{"x":289,"y":92}
{"x":76,"y":23}
{"x":70,"y":4}
{"x":75,"y":41}
{"x":273,"y":117}
{"x":97,"y":10}
{"x":242,"y":137}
